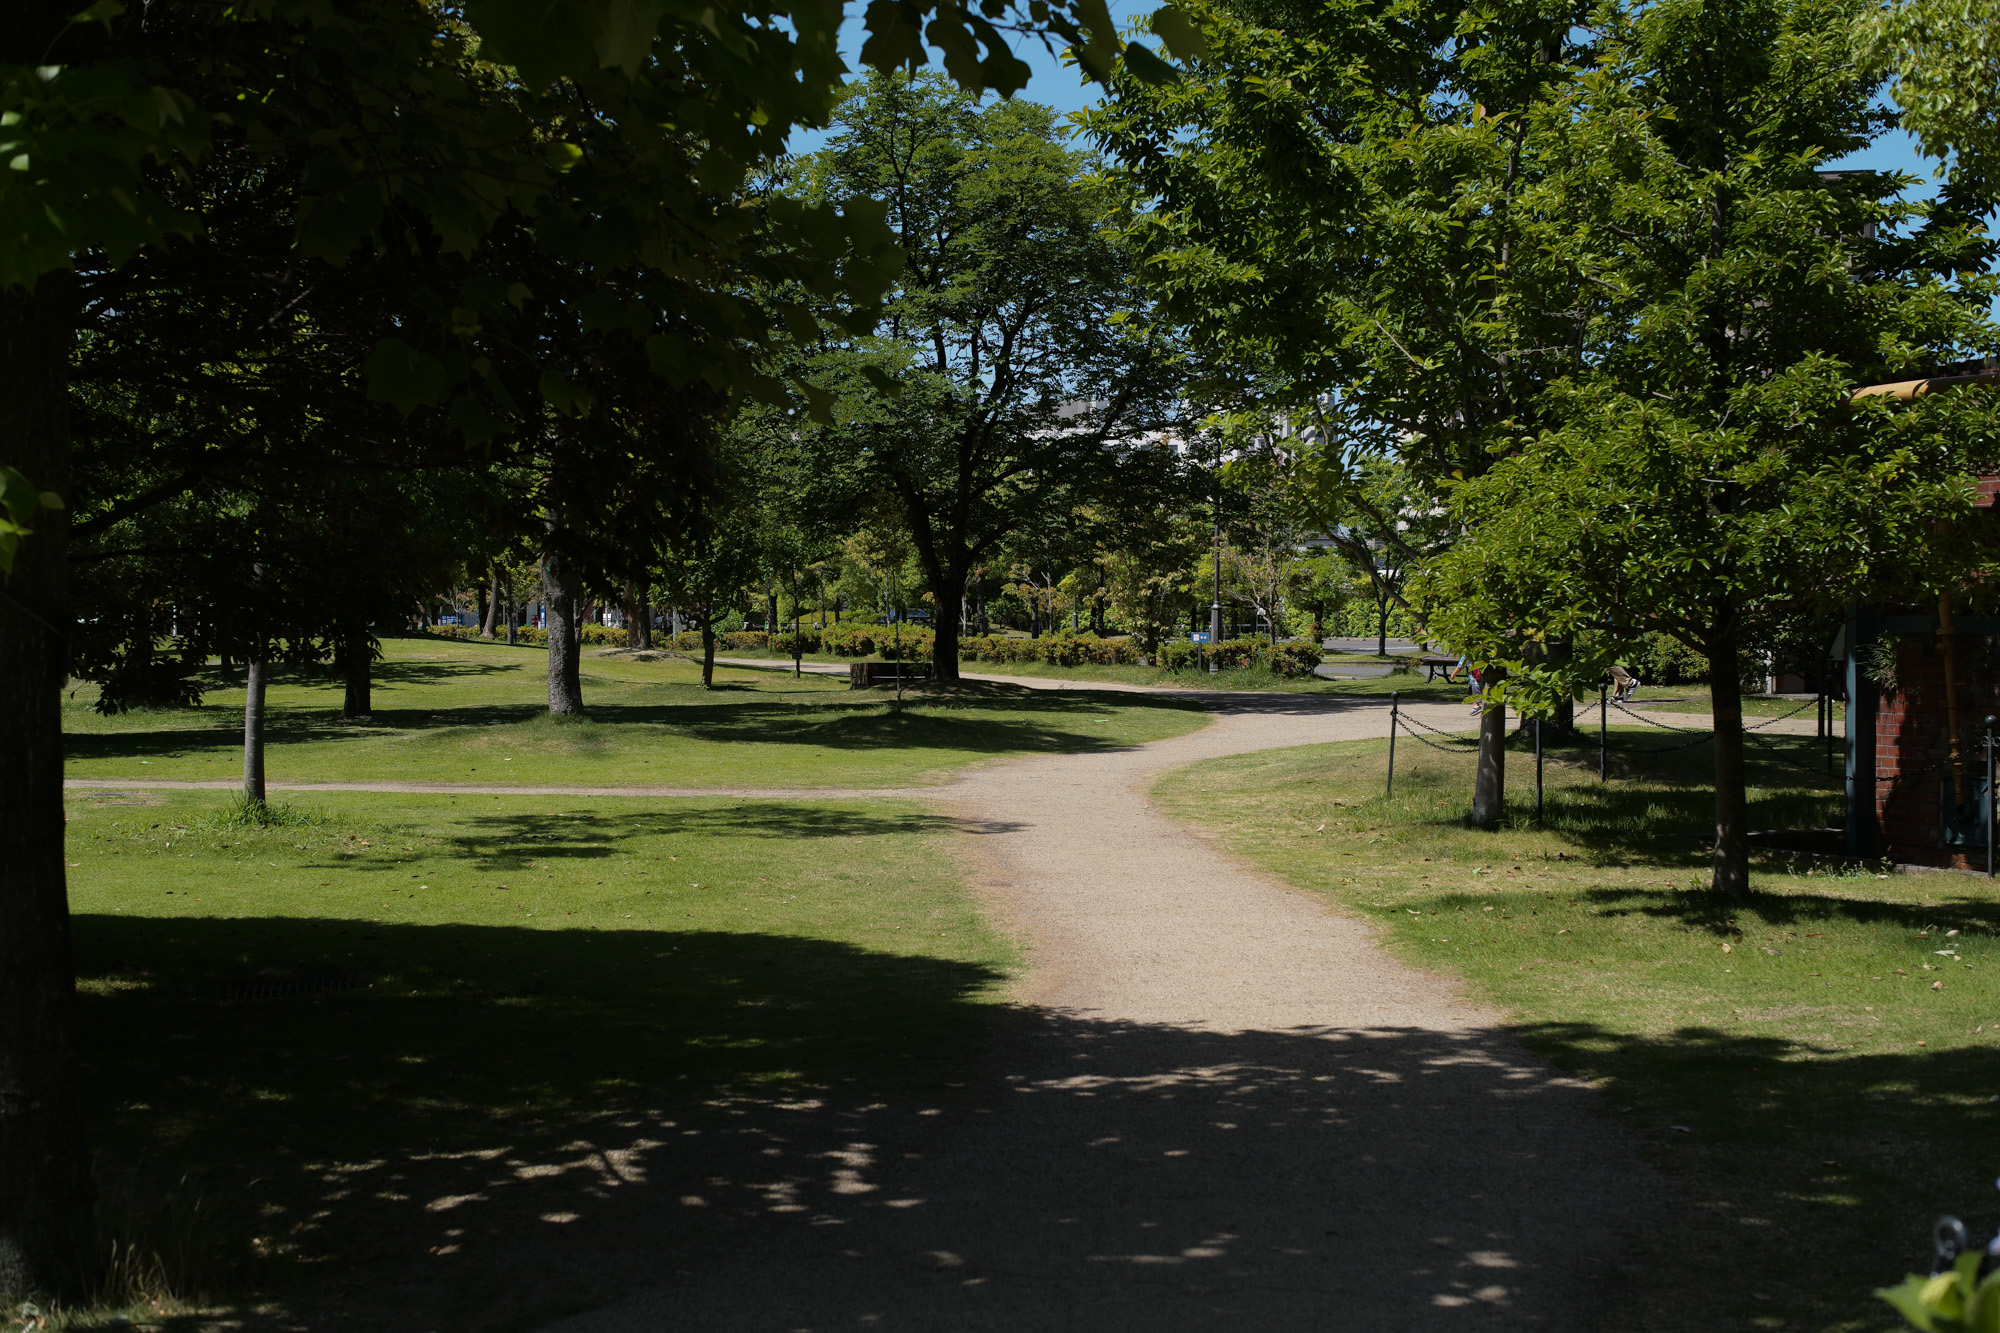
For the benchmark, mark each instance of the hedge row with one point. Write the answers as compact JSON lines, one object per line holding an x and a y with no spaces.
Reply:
{"x":1283,"y":659}
{"x":1290,"y":660}
{"x":600,"y":636}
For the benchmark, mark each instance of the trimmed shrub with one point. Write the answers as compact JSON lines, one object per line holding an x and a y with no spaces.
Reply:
{"x":1055,"y":650}
{"x":1292,"y":660}
{"x":601,"y":636}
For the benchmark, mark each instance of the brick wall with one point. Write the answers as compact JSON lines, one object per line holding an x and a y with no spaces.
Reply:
{"x":1911,"y":745}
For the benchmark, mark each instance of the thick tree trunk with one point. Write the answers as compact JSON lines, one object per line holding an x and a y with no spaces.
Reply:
{"x":944,"y":644}
{"x":356,"y":670}
{"x":253,"y":732}
{"x":46,"y":1242}
{"x":559,"y":594}
{"x":629,"y":608}
{"x":513,"y":612}
{"x":1731,"y":875}
{"x":708,"y":654}
{"x":492,"y":607}
{"x":644,"y":626}
{"x":1489,"y":778}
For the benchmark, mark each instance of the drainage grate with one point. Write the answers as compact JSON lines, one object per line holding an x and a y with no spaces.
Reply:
{"x":275,"y":990}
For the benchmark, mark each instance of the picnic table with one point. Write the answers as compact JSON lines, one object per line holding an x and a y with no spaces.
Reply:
{"x":1437,"y":666}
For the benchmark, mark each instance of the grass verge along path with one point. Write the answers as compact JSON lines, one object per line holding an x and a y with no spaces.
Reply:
{"x":388,"y":1062}
{"x":452,"y":711}
{"x":1253,"y":679}
{"x":1817,"y":1068}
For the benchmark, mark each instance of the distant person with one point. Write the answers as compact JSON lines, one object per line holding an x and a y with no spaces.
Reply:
{"x":1623,"y":684}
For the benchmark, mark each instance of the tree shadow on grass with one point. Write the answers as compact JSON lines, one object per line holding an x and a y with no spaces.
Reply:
{"x":1718,"y":916}
{"x":498,"y":1126}
{"x":512,"y":840}
{"x":1042,"y":722}
{"x":1654,"y":810}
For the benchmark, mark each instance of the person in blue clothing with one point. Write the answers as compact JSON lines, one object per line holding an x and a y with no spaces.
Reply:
{"x":1472,"y":682}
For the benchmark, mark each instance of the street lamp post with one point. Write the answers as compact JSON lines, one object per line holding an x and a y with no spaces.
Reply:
{"x":1215,"y":556}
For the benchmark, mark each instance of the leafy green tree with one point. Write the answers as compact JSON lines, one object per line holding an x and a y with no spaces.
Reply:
{"x":420,"y":131}
{"x":1704,"y":474}
{"x":1346,"y":202}
{"x":1945,"y":63}
{"x":1014,"y":373}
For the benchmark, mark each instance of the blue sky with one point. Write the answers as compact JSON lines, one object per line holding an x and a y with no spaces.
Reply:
{"x":1066,"y":90}
{"x":1053,"y":84}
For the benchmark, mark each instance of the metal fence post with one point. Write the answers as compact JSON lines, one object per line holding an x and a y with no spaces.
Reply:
{"x":1395,"y":707}
{"x":1603,"y":727}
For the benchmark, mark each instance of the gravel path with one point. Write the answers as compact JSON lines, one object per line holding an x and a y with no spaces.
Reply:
{"x":1217,"y":1106}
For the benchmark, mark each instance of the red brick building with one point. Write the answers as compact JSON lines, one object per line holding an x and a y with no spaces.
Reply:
{"x":1909,"y":735}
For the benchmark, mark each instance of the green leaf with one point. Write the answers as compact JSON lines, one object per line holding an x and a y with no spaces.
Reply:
{"x":21,"y":501}
{"x":102,"y":12}
{"x":882,"y":381}
{"x":1147,"y":67}
{"x":406,"y":379}
{"x":1179,"y":34}
{"x":627,"y":36}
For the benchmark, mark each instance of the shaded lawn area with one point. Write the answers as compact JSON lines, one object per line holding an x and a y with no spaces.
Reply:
{"x":449,"y":711}
{"x":1815,"y":1070}
{"x":374,"y":1065}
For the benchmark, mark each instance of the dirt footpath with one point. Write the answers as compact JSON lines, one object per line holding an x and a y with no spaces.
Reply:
{"x":1217,"y":1106}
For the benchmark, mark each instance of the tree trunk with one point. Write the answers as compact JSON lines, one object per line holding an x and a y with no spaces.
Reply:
{"x":770,"y":614}
{"x":489,"y":612}
{"x":645,"y":626}
{"x":253,"y":731}
{"x":1731,"y":876}
{"x":513,"y":611}
{"x":559,"y":595}
{"x":945,"y":641}
{"x":629,"y":608}
{"x":46,"y":1241}
{"x":1489,"y":779}
{"x":708,"y":653}
{"x":356,"y":670}
{"x":1564,"y":720}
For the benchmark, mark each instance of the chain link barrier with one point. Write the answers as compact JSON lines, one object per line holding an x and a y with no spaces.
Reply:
{"x":1462,"y":744}
{"x":1409,"y":726}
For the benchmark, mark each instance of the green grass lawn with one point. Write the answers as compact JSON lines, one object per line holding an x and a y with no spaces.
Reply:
{"x":451,"y":711}
{"x":1816,"y":1070}
{"x":479,"y":985}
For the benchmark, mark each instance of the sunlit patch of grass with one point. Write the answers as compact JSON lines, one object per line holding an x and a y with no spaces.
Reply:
{"x":1817,"y":1066}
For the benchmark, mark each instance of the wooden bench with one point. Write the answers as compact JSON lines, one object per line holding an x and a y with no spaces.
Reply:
{"x":1438,"y":666}
{"x":866,"y":675}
